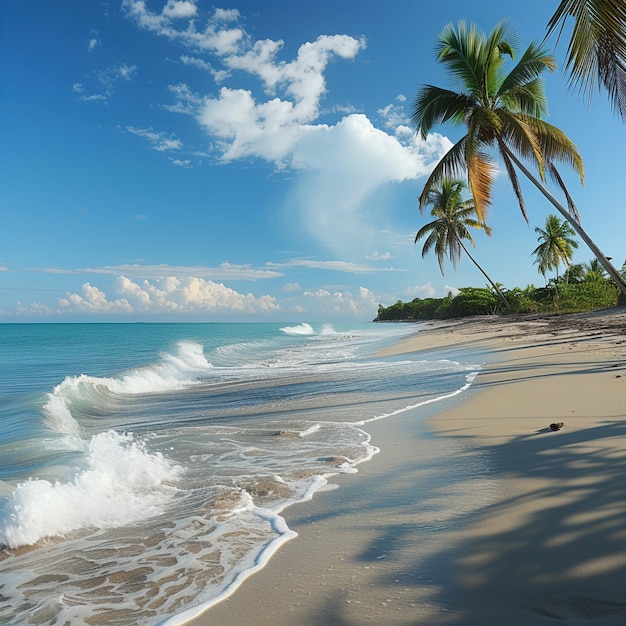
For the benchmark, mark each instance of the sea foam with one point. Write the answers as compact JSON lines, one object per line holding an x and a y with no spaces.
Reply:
{"x":300,"y":329}
{"x":122,"y":483}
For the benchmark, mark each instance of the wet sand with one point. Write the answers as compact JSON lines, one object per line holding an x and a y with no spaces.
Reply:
{"x":484,"y":515}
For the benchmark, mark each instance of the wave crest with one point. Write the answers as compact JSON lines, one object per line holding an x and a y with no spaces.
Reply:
{"x":300,"y":329}
{"x":121,"y":484}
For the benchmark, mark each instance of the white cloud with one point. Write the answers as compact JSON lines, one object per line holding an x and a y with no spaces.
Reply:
{"x":93,"y":44}
{"x":158,"y":141}
{"x":170,"y":294}
{"x":107,"y":80}
{"x":341,"y":303}
{"x":336,"y":266}
{"x":376,"y":256}
{"x":93,"y":300}
{"x":453,"y":290}
{"x":180,"y":9}
{"x":215,"y":37}
{"x":394,"y":115}
{"x":421,"y":291}
{"x":225,"y":271}
{"x":340,"y":166}
{"x":290,"y":287}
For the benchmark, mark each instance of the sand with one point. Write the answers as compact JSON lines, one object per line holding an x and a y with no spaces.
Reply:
{"x":483,"y":515}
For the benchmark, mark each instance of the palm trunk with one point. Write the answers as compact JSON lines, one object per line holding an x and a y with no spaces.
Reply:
{"x":612,"y":272}
{"x":473,"y":260}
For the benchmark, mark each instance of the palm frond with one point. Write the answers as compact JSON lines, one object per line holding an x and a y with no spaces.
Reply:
{"x":434,"y":105}
{"x":597,"y":47}
{"x":513,"y":177}
{"x":556,"y":145}
{"x":556,"y":177}
{"x":451,"y":165}
{"x":458,"y":50}
{"x":612,"y":74}
{"x":480,"y":173}
{"x":529,"y":98}
{"x":520,"y":136}
{"x":531,"y":65}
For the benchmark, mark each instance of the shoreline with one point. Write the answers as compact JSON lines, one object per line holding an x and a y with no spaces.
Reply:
{"x":531,"y":529}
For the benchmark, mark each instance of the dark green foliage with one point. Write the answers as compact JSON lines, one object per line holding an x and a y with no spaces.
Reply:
{"x":471,"y":301}
{"x":567,"y":298}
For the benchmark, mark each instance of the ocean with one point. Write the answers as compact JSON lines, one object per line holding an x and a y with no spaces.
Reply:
{"x":144,"y":467}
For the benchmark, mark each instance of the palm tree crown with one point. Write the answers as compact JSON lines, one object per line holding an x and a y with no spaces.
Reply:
{"x":454,"y":216}
{"x":556,"y":245}
{"x":500,"y":110}
{"x":453,"y":219}
{"x":596,"y":53}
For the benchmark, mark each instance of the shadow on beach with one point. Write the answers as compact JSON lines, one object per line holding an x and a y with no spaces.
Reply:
{"x":562,"y":559}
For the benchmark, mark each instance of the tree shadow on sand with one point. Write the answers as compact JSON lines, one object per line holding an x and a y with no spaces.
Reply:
{"x":562,"y":557}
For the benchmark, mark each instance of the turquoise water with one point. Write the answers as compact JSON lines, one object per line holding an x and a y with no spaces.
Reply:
{"x":144,"y":467}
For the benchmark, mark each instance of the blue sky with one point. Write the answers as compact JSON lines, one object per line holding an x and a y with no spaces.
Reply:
{"x":250,"y":161}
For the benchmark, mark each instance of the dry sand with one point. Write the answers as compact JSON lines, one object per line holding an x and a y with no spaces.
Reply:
{"x":496,"y":519}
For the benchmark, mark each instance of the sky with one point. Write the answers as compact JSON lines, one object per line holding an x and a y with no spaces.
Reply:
{"x":180,"y":160}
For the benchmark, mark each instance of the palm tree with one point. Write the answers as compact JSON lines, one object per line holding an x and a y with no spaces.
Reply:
{"x":556,"y":245}
{"x":501,"y":111}
{"x":575,"y":274}
{"x":596,"y":53}
{"x":453,"y":219}
{"x":594,"y":271}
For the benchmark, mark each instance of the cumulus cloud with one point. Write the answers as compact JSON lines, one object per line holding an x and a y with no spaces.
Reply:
{"x":166,"y":295}
{"x":93,"y":300}
{"x":339,"y":165}
{"x":341,"y":303}
{"x":421,"y":291}
{"x":179,"y":9}
{"x":158,"y":291}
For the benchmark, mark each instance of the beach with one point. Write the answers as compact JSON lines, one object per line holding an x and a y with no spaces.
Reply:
{"x":535,"y":535}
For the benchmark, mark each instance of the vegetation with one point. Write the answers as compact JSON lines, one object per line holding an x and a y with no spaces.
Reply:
{"x":502,"y":112}
{"x":596,"y":53}
{"x":454,"y":216}
{"x":556,"y":245}
{"x":556,"y":297}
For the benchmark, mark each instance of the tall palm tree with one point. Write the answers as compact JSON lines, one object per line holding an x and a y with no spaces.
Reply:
{"x":503,"y":112}
{"x":556,"y":245}
{"x":453,"y":219}
{"x":596,"y":52}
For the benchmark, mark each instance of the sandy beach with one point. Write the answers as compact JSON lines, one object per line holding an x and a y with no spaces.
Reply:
{"x":526,"y":526}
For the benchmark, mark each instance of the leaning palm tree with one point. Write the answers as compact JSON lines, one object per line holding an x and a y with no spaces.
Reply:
{"x":454,"y":216}
{"x":501,"y":111}
{"x":596,"y":53}
{"x":556,"y":245}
